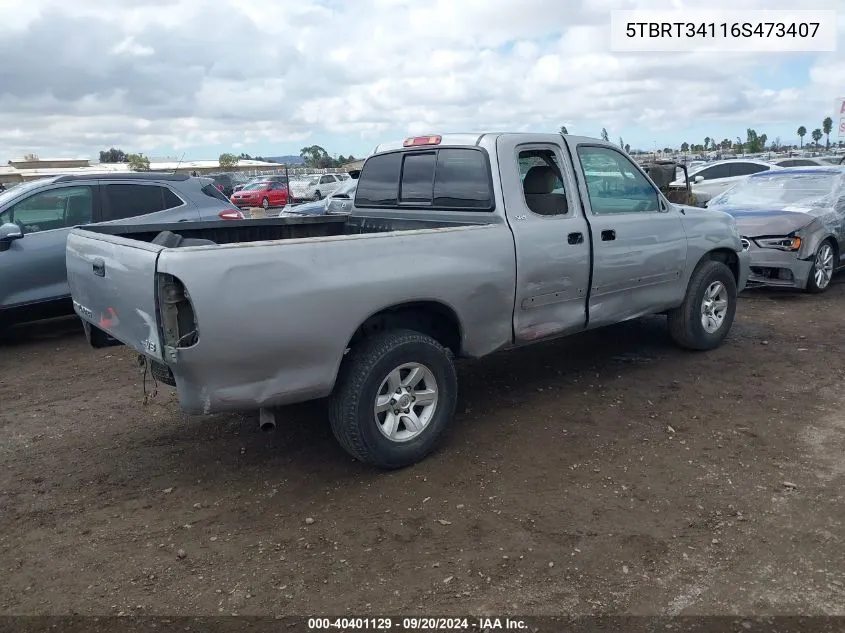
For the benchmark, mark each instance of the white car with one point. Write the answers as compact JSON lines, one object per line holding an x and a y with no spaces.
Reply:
{"x":317,"y":187}
{"x":800,"y":161}
{"x":711,"y":179}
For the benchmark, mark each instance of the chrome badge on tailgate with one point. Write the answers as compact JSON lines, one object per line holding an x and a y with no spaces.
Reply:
{"x":84,"y":312}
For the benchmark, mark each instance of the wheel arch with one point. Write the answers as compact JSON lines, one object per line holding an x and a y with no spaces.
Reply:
{"x":724,"y":255}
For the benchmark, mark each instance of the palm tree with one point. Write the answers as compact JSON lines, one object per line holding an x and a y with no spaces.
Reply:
{"x":827,"y":126}
{"x":817,"y":136}
{"x":604,"y":134}
{"x":563,"y":130}
{"x":706,"y":142}
{"x":801,"y":132}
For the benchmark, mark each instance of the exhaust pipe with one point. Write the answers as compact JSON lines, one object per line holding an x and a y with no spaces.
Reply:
{"x":266,"y":420}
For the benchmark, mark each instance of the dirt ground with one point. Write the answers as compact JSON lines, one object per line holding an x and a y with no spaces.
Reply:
{"x":607,"y":473}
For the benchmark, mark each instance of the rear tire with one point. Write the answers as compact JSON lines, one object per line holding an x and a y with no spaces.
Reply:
{"x":397,"y":370}
{"x":703,"y":320}
{"x":318,"y":195}
{"x":823,"y":268}
{"x":265,"y":203}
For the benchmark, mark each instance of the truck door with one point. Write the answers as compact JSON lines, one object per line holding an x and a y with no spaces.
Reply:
{"x":551,"y":237}
{"x":639,"y":243}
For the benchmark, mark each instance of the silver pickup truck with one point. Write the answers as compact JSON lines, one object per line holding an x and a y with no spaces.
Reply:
{"x":457,"y":246}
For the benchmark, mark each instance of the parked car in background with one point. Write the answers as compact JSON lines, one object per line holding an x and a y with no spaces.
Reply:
{"x":800,"y":161}
{"x":266,"y":193}
{"x":36,"y":217}
{"x":254,"y":179}
{"x":226,"y":183}
{"x":711,"y":179}
{"x":452,"y":251}
{"x":793,"y":225}
{"x":316,"y":187}
{"x":340,"y":201}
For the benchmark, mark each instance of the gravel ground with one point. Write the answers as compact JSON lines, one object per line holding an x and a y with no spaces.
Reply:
{"x":608,"y":473}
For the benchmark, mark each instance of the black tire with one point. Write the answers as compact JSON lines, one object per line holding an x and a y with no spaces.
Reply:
{"x":351,"y":405}
{"x":685,"y":322}
{"x":265,"y":203}
{"x":812,"y":286}
{"x":318,"y":195}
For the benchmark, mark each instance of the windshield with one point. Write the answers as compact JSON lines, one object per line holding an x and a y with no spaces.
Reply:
{"x":345,"y":188}
{"x":18,"y":189}
{"x":781,"y":190}
{"x":254,"y":186}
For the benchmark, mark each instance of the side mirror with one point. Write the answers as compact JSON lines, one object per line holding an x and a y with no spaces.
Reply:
{"x":10,"y":232}
{"x":698,"y":179}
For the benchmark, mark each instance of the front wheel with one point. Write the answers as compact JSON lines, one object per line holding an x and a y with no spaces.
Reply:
{"x":394,"y":397}
{"x":705,"y":317}
{"x":265,"y":203}
{"x":822,"y":271}
{"x":318,"y":195}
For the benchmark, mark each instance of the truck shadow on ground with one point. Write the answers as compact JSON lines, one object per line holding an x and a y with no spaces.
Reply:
{"x":65,"y":327}
{"x":492,"y":393}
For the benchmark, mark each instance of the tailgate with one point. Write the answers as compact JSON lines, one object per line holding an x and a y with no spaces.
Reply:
{"x":113,"y":285}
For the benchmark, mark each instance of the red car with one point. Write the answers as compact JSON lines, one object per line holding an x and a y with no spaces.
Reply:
{"x":261,"y":194}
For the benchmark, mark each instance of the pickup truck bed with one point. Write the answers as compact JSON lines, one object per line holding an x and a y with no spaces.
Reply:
{"x":456,"y":246}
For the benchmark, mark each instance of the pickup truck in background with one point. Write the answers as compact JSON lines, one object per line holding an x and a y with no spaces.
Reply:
{"x":457,"y":246}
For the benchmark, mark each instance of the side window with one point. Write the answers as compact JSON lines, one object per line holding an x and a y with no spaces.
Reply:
{"x":129,"y":201}
{"x":170,"y":199}
{"x":712,"y":173}
{"x":213,"y":192}
{"x":746,"y":169}
{"x":53,"y":209}
{"x":418,"y":178}
{"x":325,"y":179}
{"x":619,"y":187}
{"x":377,"y":186}
{"x":542,"y":182}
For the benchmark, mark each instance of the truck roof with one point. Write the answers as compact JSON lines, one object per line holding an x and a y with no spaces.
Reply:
{"x":474,"y":138}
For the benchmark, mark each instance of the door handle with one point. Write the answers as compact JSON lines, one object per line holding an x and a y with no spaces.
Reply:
{"x":608,"y":236}
{"x":575,"y":238}
{"x":99,"y":267}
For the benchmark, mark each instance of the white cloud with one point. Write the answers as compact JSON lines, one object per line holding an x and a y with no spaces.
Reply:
{"x":184,"y":73}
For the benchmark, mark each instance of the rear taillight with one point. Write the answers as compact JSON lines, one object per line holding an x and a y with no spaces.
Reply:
{"x":230,"y":214}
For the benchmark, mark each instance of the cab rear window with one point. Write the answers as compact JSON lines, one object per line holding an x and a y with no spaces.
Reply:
{"x":213,"y":192}
{"x":440,"y":179}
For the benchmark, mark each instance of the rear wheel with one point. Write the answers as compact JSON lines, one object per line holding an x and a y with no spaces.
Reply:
{"x":395,"y":395}
{"x":822,"y":271}
{"x":265,"y":203}
{"x":705,"y":317}
{"x":318,"y":195}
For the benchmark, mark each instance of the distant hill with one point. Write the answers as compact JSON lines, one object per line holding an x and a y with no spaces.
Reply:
{"x":286,"y":160}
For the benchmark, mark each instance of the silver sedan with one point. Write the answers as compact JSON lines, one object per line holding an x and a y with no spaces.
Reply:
{"x":793,"y":225}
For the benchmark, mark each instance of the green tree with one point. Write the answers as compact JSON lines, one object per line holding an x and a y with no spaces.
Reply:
{"x":227,"y":161}
{"x":604,"y":136}
{"x":138,"y":162}
{"x":706,"y":142}
{"x":113,"y":155}
{"x":684,"y":147}
{"x":316,"y":157}
{"x":763,"y":139}
{"x":621,"y":143}
{"x":627,"y":148}
{"x":827,"y":126}
{"x":802,"y":131}
{"x":817,"y":136}
{"x":564,"y":130}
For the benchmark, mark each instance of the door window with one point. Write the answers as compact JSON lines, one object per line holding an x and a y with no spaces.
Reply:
{"x":52,"y":209}
{"x":746,"y":169}
{"x":131,"y":200}
{"x":712,"y":173}
{"x":614,"y":184}
{"x":542,"y":182}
